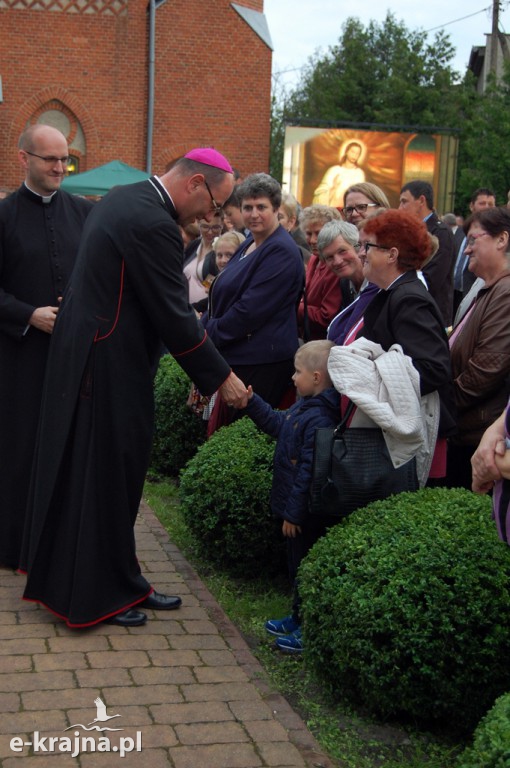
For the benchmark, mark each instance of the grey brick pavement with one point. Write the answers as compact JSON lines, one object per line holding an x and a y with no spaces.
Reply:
{"x":186,"y":686}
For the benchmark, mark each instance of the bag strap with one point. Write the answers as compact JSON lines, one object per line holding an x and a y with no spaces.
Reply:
{"x":338,"y":433}
{"x":342,"y":426}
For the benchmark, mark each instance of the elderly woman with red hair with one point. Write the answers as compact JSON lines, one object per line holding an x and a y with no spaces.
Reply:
{"x":393,"y":246}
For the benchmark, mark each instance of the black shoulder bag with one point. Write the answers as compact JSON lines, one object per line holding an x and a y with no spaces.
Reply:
{"x":352,"y":467}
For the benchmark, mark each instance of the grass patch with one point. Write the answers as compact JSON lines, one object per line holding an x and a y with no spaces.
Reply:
{"x":351,"y":739}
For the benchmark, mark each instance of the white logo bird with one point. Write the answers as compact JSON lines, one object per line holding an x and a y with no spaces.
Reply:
{"x":101,"y":712}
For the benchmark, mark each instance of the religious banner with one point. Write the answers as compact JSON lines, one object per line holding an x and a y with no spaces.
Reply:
{"x":321,"y":163}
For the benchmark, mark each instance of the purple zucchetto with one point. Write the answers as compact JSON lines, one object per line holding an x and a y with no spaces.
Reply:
{"x":209,"y":156}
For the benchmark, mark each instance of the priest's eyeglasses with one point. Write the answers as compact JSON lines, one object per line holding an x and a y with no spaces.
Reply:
{"x":216,"y":206}
{"x":51,"y":159}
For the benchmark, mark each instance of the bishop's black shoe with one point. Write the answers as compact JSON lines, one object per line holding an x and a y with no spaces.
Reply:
{"x":130,"y":618}
{"x":159,"y":602}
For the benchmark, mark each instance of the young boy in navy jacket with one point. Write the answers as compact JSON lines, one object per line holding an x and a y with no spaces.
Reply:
{"x":294,"y":429}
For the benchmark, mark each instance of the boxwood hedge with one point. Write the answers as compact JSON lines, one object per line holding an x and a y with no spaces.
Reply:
{"x":224,"y":492}
{"x":177,"y":431}
{"x":491,"y":743}
{"x":406,"y":607}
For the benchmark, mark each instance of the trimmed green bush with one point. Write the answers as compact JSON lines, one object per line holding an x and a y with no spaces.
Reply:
{"x":491,"y":743}
{"x":177,"y":431}
{"x":406,"y":607}
{"x":224,"y":493}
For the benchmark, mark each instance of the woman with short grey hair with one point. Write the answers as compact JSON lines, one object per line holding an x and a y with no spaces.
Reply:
{"x":334,"y":229}
{"x":338,"y":244}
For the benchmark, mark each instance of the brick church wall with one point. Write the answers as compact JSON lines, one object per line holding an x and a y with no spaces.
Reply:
{"x":88,"y":59}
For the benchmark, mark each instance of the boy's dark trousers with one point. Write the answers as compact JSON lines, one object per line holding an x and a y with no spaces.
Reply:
{"x":298,"y":547}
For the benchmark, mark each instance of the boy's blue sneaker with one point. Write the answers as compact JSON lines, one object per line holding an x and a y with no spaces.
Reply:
{"x":291,"y":643}
{"x":281,"y":627}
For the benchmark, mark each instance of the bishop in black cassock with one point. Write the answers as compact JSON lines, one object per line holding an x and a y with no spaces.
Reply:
{"x":127,"y":297}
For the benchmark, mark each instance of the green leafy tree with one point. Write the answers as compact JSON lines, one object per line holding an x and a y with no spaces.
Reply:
{"x":484,"y":156}
{"x":381,"y":73}
{"x":278,"y":106}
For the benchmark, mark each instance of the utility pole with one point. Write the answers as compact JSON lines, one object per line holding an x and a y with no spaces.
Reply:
{"x":493,"y":65}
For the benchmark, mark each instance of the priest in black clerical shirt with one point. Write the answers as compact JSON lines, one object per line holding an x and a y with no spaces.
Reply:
{"x":40,"y":228}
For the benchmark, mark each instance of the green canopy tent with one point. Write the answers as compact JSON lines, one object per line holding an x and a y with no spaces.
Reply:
{"x":99,"y":181}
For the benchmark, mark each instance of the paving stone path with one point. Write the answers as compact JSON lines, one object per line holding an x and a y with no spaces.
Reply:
{"x":184,"y":691}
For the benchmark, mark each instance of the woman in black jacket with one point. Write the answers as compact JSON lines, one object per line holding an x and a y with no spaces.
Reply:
{"x":394,"y":245}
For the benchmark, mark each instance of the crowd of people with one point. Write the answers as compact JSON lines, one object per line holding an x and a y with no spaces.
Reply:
{"x":254,"y":307}
{"x":397,"y":278}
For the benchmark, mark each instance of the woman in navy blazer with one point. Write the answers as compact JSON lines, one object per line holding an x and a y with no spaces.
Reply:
{"x":252,"y":304}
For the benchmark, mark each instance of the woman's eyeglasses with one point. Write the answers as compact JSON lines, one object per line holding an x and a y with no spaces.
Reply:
{"x":366,"y":247}
{"x":361,"y":208}
{"x":471,"y":240}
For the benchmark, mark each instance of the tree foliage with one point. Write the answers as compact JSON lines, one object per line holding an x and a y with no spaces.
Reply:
{"x":484,"y":157}
{"x":381,"y":73}
{"x":278,"y":106}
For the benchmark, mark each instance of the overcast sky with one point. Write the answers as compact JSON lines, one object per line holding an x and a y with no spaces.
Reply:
{"x":299,"y":27}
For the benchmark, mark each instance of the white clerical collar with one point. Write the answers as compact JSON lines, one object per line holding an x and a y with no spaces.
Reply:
{"x":45,"y":198}
{"x":165,"y":189}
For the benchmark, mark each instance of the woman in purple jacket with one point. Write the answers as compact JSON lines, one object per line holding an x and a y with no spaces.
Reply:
{"x":252,"y":305}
